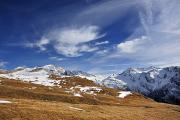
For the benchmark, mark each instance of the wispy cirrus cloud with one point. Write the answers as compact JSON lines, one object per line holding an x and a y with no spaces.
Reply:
{"x":161,"y":25}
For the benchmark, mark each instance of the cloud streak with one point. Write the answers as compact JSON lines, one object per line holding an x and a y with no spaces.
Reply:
{"x":102,"y":43}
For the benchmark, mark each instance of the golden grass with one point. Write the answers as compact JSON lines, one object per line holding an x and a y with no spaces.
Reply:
{"x":22,"y":109}
{"x":36,"y":102}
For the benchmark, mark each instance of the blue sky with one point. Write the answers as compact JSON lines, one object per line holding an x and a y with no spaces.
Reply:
{"x":97,"y":36}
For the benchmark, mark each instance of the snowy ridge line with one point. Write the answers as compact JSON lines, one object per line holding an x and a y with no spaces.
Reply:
{"x":161,"y":84}
{"x":40,"y":75}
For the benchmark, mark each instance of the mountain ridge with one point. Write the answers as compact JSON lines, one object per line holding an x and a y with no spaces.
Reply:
{"x":161,"y":84}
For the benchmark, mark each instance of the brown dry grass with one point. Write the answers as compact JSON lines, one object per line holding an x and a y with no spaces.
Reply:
{"x":43,"y":103}
{"x":74,"y":81}
{"x":22,"y":109}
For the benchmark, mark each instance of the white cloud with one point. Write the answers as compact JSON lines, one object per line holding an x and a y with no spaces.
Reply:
{"x":86,"y":48}
{"x":56,"y":58}
{"x":41,"y":44}
{"x":102,"y":52}
{"x":131,"y":46}
{"x":161,"y":16}
{"x":70,"y":41}
{"x":102,"y":43}
{"x":158,"y":51}
{"x":76,"y":35}
{"x":162,"y":25}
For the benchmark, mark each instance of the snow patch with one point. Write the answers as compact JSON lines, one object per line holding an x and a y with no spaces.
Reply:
{"x":89,"y":89}
{"x":39,"y":77}
{"x":4,"y":101}
{"x":123,"y":94}
{"x":77,"y":95}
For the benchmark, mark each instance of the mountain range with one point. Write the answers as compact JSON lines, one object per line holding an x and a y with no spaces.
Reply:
{"x":160,"y":84}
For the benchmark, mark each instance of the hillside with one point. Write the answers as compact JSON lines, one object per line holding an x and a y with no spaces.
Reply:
{"x":160,"y":84}
{"x":29,"y":101}
{"x":50,"y":96}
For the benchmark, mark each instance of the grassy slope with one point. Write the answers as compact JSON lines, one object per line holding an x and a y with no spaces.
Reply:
{"x":35,"y":102}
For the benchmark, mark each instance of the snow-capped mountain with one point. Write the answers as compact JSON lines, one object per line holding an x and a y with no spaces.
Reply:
{"x":41,"y":75}
{"x":50,"y":69}
{"x":161,"y":84}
